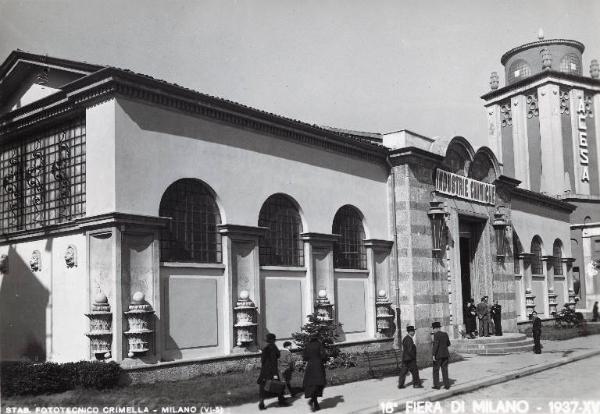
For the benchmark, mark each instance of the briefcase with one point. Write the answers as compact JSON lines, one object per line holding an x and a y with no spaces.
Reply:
{"x":274,"y":386}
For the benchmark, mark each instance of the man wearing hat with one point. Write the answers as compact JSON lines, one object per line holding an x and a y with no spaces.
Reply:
{"x":409,"y":360}
{"x":441,"y":342}
{"x":483,"y":314}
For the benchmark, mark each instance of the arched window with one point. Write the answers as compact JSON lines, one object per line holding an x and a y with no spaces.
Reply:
{"x":570,"y":64}
{"x":537,"y":267}
{"x":482,"y":168}
{"x":517,"y":250}
{"x":349,"y":251}
{"x":519,"y":69}
{"x":191,"y":235}
{"x":557,"y":255}
{"x":281,"y":245}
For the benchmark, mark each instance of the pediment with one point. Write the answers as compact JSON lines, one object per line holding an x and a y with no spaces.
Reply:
{"x":26,"y":78}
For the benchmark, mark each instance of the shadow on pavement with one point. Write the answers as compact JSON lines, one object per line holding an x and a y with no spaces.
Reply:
{"x":331,"y":402}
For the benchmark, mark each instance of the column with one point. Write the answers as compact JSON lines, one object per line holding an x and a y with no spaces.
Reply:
{"x":520,"y":139}
{"x":552,"y":180}
{"x":242,"y":274}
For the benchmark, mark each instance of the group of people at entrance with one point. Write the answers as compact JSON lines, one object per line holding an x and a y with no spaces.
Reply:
{"x":277,"y":367}
{"x":488,"y":316}
{"x":440,"y":354}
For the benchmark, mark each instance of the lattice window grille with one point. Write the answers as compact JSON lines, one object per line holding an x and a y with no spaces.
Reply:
{"x":43,"y":178}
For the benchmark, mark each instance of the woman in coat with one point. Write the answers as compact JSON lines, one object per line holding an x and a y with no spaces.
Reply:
{"x":314,"y":375}
{"x":470,"y":318}
{"x":269,"y":370}
{"x":537,"y":333}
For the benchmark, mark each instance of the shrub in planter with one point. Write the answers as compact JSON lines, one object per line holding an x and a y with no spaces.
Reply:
{"x":26,"y":378}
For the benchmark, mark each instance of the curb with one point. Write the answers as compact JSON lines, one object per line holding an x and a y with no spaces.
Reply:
{"x":492,"y":380}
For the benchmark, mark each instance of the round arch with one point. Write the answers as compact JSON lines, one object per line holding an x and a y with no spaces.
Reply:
{"x":192,"y":234}
{"x":485,"y":166}
{"x":349,"y":251}
{"x":282,"y":244}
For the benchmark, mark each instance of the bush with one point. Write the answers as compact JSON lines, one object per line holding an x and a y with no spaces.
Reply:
{"x":325,"y":331}
{"x":26,"y":378}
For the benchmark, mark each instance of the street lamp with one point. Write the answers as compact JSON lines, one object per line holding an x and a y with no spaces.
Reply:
{"x":437,"y":214}
{"x":500,"y":225}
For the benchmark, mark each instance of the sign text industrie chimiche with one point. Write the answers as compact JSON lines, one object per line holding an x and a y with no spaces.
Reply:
{"x":464,"y":187}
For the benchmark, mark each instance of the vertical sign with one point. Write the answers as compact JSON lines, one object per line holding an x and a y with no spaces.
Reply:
{"x":584,"y":152}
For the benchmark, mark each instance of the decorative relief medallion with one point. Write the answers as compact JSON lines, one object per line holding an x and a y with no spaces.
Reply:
{"x":71,"y":256}
{"x":506,"y":114}
{"x":587,"y":100}
{"x":532,"y":106}
{"x":3,"y":263}
{"x":564,"y":102}
{"x":36,"y":261}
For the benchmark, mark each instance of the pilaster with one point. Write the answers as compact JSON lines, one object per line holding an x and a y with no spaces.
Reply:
{"x":552,"y":177}
{"x":495,"y":131}
{"x":242,"y":271}
{"x":521,"y":139}
{"x":377,"y":254}
{"x":319,"y":264}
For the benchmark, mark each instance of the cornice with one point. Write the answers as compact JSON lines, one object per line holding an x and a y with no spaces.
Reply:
{"x":542,"y":199}
{"x":507,"y":181}
{"x":539,"y":79}
{"x":240,"y":231}
{"x":320,"y":237}
{"x":378,"y":244}
{"x":109,"y":83}
{"x":406,"y":154}
{"x":85,"y":224}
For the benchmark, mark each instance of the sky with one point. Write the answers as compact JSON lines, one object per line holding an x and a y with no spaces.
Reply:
{"x":376,"y":66}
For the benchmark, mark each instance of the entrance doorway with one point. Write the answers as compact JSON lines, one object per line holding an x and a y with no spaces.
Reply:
{"x":471,"y":269}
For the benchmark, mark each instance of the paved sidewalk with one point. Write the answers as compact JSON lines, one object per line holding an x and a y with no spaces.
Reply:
{"x":472,"y":373}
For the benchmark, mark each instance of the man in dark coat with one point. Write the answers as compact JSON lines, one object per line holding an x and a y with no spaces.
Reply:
{"x":314,"y":374}
{"x":483,"y":315}
{"x":497,"y":317}
{"x":269,"y":370}
{"x":409,"y":360}
{"x":537,"y":333}
{"x":440,"y":352}
{"x":470,"y":315}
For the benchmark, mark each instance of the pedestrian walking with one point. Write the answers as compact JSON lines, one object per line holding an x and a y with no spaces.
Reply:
{"x":269,"y":371}
{"x":537,"y":333}
{"x":483,"y":315}
{"x":314,"y":374}
{"x":440,"y":352}
{"x":470,"y":314}
{"x":409,"y":360}
{"x":497,"y":317}
{"x":595,"y":316}
{"x":286,"y":364}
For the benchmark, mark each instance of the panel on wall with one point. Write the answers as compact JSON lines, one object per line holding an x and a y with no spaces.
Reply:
{"x":351,"y":308}
{"x":138,"y":265}
{"x":537,"y":287}
{"x":283,"y":306}
{"x":193,"y":319}
{"x":559,"y":289}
